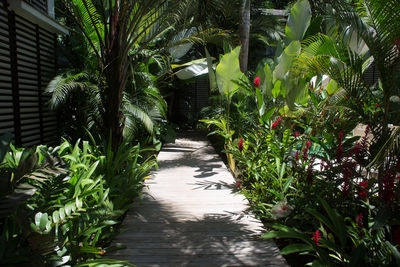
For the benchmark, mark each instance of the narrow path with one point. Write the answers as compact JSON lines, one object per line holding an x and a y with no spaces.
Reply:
{"x":191,"y":215}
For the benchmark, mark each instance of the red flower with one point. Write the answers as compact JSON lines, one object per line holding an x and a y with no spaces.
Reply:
{"x":257,"y":82}
{"x":377,"y":105}
{"x":347,"y":173}
{"x":308,"y":144}
{"x":316,"y":237}
{"x":240,"y":145}
{"x":296,"y":134}
{"x":363,"y":189}
{"x":238,"y":185}
{"x":276,"y":123}
{"x":359,"y":220}
{"x":259,"y":134}
{"x":387,"y":192}
{"x":305,"y":156}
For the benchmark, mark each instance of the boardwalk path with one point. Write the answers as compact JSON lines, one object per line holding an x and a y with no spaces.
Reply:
{"x":191,"y":215}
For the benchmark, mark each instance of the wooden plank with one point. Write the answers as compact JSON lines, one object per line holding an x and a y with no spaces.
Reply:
{"x":192,"y":215}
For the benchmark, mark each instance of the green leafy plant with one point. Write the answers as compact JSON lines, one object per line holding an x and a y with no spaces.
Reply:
{"x":268,"y":179}
{"x":341,"y":241}
{"x":76,"y":195}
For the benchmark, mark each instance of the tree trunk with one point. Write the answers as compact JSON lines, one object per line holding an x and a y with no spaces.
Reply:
{"x":116,"y":78}
{"x":244,"y":33}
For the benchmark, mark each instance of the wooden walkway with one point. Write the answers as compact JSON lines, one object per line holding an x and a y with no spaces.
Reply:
{"x":191,"y":215}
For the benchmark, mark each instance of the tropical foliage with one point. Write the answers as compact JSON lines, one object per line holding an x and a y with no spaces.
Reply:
{"x":59,"y":205}
{"x":288,"y":135}
{"x":285,"y":113}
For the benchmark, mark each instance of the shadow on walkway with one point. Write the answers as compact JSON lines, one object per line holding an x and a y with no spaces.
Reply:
{"x":192,"y":215}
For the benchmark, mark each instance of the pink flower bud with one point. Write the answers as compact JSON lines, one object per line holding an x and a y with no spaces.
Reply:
{"x":257,"y":82}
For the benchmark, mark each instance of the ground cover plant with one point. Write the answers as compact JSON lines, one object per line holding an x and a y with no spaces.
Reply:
{"x":288,"y":134}
{"x":59,"y":205}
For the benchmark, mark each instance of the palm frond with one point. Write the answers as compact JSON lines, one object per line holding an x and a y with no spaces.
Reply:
{"x":135,"y":113}
{"x":390,"y":148}
{"x":62,"y":86}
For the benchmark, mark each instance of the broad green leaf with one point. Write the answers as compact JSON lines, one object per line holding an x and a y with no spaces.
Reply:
{"x":38,"y":216}
{"x":338,"y":222}
{"x":298,"y":21}
{"x":321,"y":218}
{"x":43,"y":221}
{"x":105,"y":262}
{"x":286,"y":59}
{"x":277,"y":89}
{"x":62,"y":214}
{"x":265,"y":75}
{"x":290,"y":234}
{"x":67,"y":210}
{"x":228,"y":70}
{"x":315,"y":27}
{"x":279,"y":195}
{"x":297,"y":247}
{"x":56,"y":216}
{"x":295,"y":91}
{"x":260,"y":102}
{"x":332,"y":87}
{"x":266,"y":117}
{"x":77,"y":166}
{"x":287,"y":184}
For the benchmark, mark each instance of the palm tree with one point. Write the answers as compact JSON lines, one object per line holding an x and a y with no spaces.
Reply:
{"x":244,"y":32}
{"x":116,"y":31}
{"x":364,"y":34}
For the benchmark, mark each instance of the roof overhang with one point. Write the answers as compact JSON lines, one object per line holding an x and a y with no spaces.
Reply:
{"x":25,"y":10}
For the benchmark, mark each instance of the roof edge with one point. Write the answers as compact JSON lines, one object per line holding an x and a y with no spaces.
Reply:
{"x":27,"y":11}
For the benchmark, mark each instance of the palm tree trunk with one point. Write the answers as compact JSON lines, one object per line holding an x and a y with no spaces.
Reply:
{"x":115,"y":74}
{"x":244,"y":33}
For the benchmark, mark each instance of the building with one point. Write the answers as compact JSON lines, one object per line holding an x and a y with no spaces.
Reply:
{"x":28,"y":61}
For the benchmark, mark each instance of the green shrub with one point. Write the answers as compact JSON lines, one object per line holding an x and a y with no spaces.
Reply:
{"x":61,"y":204}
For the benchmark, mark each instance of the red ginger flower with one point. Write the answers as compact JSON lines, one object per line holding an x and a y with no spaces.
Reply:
{"x":276,"y":123}
{"x":362,"y":190}
{"x":347,"y":173}
{"x":387,"y":192}
{"x":296,"y":134}
{"x":316,"y":237}
{"x":240,"y":145}
{"x":308,"y":144}
{"x":359,"y":220}
{"x":238,"y":185}
{"x":257,"y":82}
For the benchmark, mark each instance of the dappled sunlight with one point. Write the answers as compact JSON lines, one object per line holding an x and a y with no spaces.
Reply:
{"x":191,"y":215}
